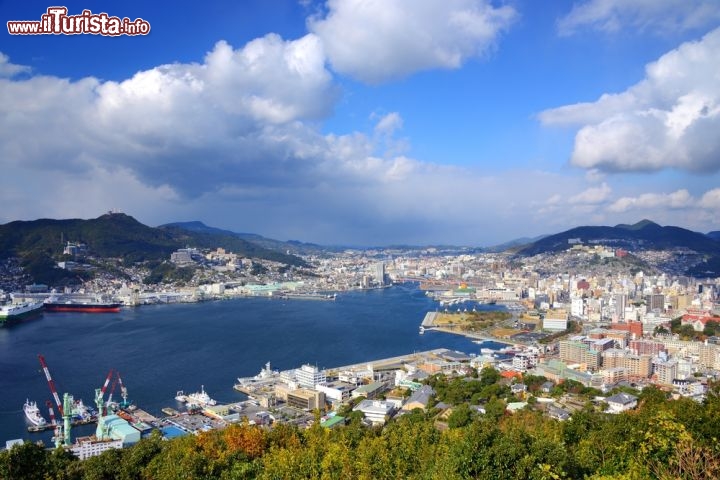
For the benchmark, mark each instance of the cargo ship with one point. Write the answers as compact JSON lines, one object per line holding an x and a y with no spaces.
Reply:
{"x":18,"y":311}
{"x":87,"y":306}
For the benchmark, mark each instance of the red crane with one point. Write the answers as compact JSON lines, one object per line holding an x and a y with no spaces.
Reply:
{"x":107,"y":381}
{"x":51,"y":411}
{"x":104,"y":387}
{"x":123,"y":391}
{"x":51,"y":384}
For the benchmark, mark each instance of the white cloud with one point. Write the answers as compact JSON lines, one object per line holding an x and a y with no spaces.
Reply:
{"x":644,"y":15}
{"x":711,"y":200}
{"x":677,"y":200}
{"x":592,"y":195}
{"x":8,"y":69}
{"x":195,"y":126}
{"x":668,"y":120}
{"x":379,"y":40}
{"x":389,"y":123}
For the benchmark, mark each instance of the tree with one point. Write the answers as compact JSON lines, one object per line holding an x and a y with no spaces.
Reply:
{"x":461,"y":415}
{"x":26,"y":461}
{"x":489,"y":376}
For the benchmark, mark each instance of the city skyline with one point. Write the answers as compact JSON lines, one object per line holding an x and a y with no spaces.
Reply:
{"x":465,"y":122}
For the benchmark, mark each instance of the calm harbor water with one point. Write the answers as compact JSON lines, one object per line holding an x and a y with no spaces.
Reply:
{"x":161,"y":349}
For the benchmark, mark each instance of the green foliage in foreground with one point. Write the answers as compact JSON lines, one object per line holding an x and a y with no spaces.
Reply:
{"x":662,"y":439}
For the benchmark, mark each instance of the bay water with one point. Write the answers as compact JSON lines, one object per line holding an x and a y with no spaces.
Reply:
{"x":161,"y":349}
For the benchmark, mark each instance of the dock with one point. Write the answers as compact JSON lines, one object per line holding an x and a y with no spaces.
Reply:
{"x":385,"y":363}
{"x":51,"y":426}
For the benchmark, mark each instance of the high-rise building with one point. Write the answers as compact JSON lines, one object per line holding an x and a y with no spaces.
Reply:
{"x":380,"y":273}
{"x":655,"y":301}
{"x":665,"y":370}
{"x":620,"y":304}
{"x":572,"y":351}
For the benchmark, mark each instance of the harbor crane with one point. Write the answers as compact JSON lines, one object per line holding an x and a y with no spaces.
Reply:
{"x":58,"y":437}
{"x":103,"y":411}
{"x":51,"y":384}
{"x":65,"y":408}
{"x":123,"y":391}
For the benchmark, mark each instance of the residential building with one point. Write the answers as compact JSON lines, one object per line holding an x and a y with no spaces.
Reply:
{"x":578,"y":352}
{"x":621,"y":402}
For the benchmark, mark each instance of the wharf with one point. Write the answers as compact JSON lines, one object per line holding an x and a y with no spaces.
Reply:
{"x":429,"y":319}
{"x":385,"y":363}
{"x":306,"y":296}
{"x":51,"y":426}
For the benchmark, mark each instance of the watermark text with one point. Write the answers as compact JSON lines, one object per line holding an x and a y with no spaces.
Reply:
{"x":56,"y":21}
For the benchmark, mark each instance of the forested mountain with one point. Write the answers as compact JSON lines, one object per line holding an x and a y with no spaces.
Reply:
{"x":40,"y":243}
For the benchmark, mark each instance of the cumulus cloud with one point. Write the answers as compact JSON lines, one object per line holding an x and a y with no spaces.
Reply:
{"x":378,"y":40}
{"x":648,"y":201}
{"x":644,"y":15}
{"x":195,"y":126}
{"x":592,"y":195}
{"x":711,"y":199}
{"x":8,"y":69}
{"x":668,"y":120}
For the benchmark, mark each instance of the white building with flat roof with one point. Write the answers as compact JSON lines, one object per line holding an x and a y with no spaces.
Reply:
{"x":308,"y":376}
{"x":375,"y":411}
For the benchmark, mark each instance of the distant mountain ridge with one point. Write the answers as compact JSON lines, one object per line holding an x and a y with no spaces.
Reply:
{"x":512,"y":244}
{"x":294,"y":246}
{"x":645,"y":235}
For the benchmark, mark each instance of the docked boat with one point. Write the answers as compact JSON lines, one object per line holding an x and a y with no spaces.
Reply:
{"x":83,"y":306}
{"x":82,"y":413}
{"x":32,"y":413}
{"x":201,"y":398}
{"x":180,"y":396}
{"x":18,"y":311}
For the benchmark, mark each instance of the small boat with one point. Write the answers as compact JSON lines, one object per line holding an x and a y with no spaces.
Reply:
{"x":180,"y":396}
{"x":32,"y":412}
{"x":422,"y":329}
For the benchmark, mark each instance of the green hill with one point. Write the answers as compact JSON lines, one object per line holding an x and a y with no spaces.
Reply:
{"x":644,"y":235}
{"x":39,"y":243}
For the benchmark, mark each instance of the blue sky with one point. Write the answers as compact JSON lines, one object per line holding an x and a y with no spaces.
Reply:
{"x":369,"y":122}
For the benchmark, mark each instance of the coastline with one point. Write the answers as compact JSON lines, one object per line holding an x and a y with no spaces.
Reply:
{"x":428,"y":323}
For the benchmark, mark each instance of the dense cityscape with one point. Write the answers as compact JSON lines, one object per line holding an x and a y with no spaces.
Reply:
{"x":588,"y":327}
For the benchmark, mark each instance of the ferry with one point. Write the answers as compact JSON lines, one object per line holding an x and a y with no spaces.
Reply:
{"x":32,"y":412}
{"x":18,"y":311}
